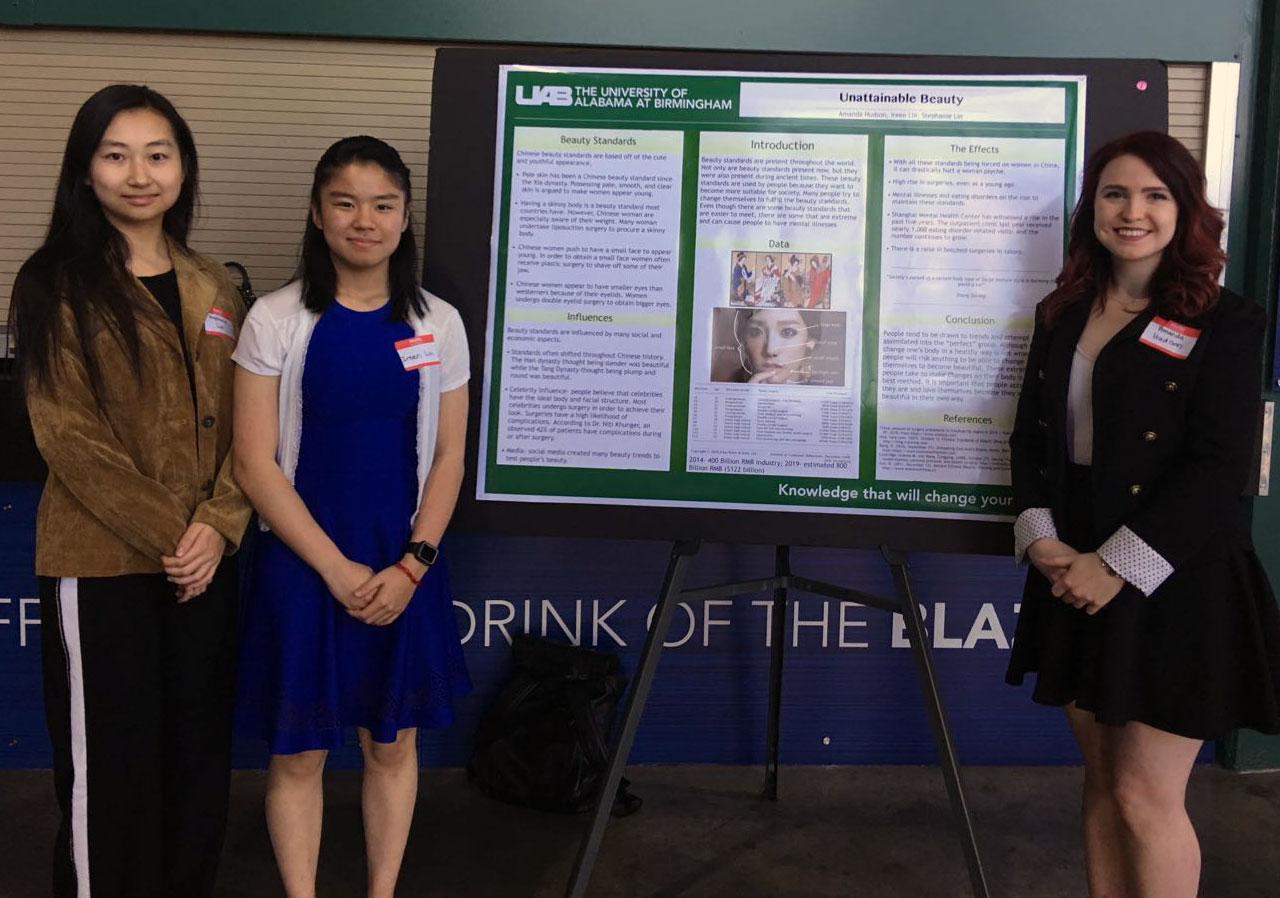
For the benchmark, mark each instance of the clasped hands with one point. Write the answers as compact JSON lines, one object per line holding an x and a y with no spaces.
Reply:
{"x":1078,"y":578}
{"x":375,"y":598}
{"x":194,"y":560}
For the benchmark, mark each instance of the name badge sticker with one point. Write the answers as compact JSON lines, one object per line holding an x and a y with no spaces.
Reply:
{"x":418,"y":352}
{"x":1170,"y":337}
{"x":219,"y":323}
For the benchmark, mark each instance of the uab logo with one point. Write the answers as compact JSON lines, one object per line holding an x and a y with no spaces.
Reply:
{"x":538,"y":96}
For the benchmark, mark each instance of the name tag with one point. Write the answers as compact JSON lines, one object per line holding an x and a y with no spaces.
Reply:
{"x":219,"y":324}
{"x":418,"y":352}
{"x":1170,"y":337}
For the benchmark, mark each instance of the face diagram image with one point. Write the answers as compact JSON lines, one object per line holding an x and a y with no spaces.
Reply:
{"x":780,"y":280}
{"x":778,"y":346}
{"x":774,"y":346}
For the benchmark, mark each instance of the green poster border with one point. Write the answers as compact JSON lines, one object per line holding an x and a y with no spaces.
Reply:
{"x":676,"y":485}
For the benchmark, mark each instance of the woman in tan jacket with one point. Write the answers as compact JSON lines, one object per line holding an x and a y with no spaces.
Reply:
{"x":124,"y":340}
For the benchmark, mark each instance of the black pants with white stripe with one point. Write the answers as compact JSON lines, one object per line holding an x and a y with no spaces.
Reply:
{"x":138,"y":694}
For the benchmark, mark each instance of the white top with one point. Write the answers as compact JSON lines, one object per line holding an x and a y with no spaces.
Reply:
{"x":1080,"y":410}
{"x":274,"y":340}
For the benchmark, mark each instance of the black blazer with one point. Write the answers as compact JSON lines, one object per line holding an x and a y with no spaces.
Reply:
{"x":1172,"y":438}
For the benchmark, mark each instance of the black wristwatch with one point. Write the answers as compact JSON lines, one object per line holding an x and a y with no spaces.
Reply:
{"x":424,"y":552}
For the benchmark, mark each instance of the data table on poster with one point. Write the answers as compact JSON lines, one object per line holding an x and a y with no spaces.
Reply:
{"x":781,"y":292}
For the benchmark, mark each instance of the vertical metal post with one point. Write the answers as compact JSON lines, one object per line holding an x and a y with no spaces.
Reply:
{"x":681,"y":553}
{"x":947,"y":759}
{"x":777,"y":644}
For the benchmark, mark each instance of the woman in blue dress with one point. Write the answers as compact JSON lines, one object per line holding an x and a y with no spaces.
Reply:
{"x":350,"y":421}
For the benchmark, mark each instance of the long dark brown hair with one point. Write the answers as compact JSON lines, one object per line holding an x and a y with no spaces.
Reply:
{"x":1185,"y":283}
{"x":83,"y":262}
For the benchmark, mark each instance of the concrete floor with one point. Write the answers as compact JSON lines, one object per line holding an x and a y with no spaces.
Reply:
{"x":877,"y":832}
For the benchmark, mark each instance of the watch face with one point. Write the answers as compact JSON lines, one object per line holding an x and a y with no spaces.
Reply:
{"x":424,"y":552}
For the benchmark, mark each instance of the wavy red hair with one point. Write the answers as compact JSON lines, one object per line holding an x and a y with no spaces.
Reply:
{"x":1185,"y":283}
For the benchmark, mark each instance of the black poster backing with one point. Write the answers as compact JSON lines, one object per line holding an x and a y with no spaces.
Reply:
{"x":1121,"y":96}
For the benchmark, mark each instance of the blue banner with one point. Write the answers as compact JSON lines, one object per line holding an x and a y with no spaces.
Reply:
{"x":850,"y":694}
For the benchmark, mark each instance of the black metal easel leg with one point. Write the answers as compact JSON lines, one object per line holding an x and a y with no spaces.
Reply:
{"x":937,"y":716}
{"x":681,"y":553}
{"x":777,"y":644}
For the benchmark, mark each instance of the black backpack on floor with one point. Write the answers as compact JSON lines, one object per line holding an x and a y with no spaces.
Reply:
{"x":543,"y":743}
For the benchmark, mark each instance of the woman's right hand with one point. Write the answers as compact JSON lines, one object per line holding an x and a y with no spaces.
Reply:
{"x":1051,"y":557}
{"x":343,"y":578}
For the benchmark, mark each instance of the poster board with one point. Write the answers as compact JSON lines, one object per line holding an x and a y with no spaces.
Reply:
{"x":657,"y":222}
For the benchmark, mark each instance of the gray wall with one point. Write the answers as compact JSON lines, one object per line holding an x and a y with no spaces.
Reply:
{"x":1167,"y":29}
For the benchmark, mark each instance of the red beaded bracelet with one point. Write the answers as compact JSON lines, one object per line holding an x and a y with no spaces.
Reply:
{"x":408,"y":573}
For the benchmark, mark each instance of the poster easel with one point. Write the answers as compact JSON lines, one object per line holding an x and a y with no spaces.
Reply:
{"x":783,"y":580}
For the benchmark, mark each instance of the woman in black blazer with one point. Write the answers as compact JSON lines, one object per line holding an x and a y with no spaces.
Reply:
{"x":1146,"y":613}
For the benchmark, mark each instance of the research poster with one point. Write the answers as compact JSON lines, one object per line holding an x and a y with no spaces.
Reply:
{"x":759,"y":291}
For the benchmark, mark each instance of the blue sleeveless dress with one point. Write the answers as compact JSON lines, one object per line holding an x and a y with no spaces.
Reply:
{"x":308,"y":670}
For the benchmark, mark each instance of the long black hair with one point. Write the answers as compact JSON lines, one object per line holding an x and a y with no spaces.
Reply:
{"x":84,"y":259}
{"x":315,"y":268}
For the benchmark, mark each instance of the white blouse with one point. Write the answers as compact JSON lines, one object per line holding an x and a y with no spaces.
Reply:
{"x":1080,"y":410}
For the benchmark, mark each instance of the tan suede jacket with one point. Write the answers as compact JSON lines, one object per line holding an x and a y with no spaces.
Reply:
{"x":127,"y":477}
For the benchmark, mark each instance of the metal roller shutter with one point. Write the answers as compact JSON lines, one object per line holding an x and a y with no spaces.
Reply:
{"x":262,"y":109}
